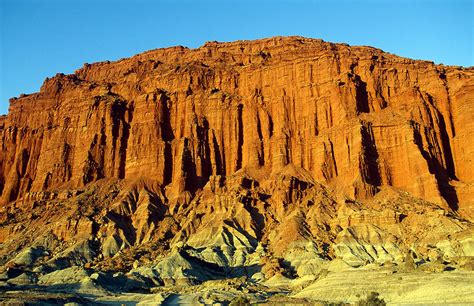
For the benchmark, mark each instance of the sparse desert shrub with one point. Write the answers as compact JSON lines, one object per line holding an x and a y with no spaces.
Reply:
{"x":372,"y":300}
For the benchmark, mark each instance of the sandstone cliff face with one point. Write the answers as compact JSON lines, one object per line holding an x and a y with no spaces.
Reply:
{"x":354,"y":117}
{"x":271,"y":157}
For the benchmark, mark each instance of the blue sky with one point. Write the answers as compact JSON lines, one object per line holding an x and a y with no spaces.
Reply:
{"x":40,"y":38}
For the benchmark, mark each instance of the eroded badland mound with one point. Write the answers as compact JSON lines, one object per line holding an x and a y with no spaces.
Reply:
{"x":284,"y":168}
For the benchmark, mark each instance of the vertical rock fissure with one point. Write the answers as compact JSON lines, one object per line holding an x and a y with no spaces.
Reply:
{"x":116,"y":115}
{"x":362,"y":99}
{"x":224,"y":164}
{"x":445,"y":143}
{"x":369,"y":167}
{"x":123,"y":150}
{"x":23,"y":162}
{"x":447,"y":191}
{"x":329,"y":167}
{"x":316,"y":126}
{"x":189,"y":167}
{"x":66,"y":155}
{"x":204,"y":152}
{"x":124,"y":140}
{"x":333,"y":157}
{"x":442,"y":76}
{"x":270,"y":123}
{"x":167,"y":135}
{"x":448,"y":154}
{"x":217,"y":156}
{"x":120,"y":132}
{"x":240,"y":141}
{"x":261,"y":151}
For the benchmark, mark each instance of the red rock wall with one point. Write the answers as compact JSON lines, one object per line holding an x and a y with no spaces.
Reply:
{"x":355,"y":117}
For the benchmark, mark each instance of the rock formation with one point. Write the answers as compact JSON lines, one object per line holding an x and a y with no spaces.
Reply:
{"x":268,"y":158}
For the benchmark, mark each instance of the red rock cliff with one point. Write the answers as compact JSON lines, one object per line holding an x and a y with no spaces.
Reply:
{"x":356,"y":118}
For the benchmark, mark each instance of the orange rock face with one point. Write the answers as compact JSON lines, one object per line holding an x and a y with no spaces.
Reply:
{"x":277,"y":161}
{"x":355,"y":118}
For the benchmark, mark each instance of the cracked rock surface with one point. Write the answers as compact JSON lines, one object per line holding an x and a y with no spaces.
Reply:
{"x":272,"y":170}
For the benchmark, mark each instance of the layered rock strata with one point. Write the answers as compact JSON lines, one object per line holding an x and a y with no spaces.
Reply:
{"x":272,"y":158}
{"x":355,"y":117}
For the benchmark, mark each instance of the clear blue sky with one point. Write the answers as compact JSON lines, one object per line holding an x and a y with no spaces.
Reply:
{"x":40,"y":38}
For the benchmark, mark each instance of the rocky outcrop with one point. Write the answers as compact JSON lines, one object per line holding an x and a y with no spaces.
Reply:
{"x":273,"y":160}
{"x":354,"y":117}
